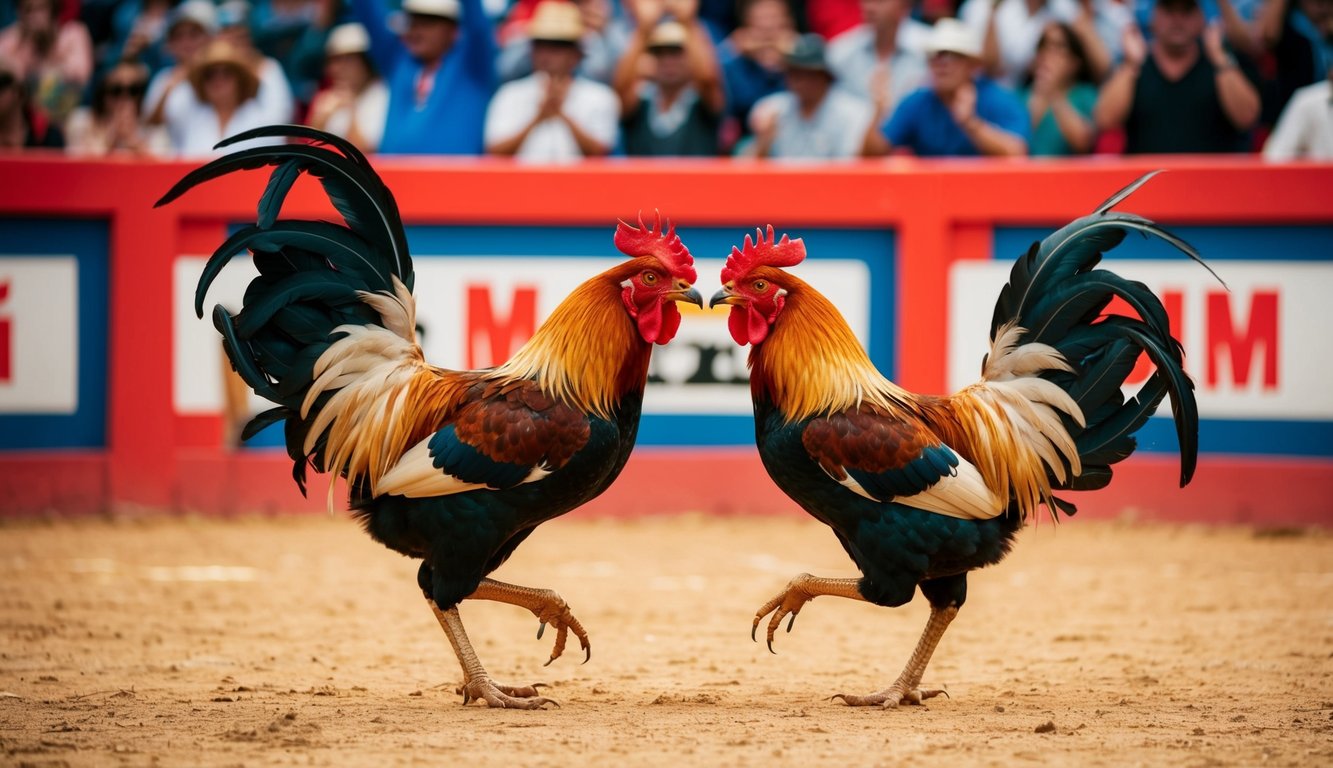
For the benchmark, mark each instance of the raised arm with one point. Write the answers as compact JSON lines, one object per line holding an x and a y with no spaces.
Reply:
{"x":701,"y":56}
{"x":628,"y":75}
{"x":385,"y":47}
{"x":479,"y":47}
{"x":1240,"y":35}
{"x":1085,"y":27}
{"x":1269,"y":21}
{"x":1116,"y":98}
{"x":1238,"y":97}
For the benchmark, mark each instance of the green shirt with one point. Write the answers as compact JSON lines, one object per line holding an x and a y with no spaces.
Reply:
{"x":1046,"y":136}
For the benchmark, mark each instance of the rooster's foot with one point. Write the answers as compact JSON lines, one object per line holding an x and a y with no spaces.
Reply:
{"x":553,"y":610}
{"x":546,"y":604}
{"x":889,"y":698}
{"x":800,"y":591}
{"x":503,"y":696}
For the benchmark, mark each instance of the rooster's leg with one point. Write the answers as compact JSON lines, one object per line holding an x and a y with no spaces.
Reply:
{"x":905,"y":689}
{"x":799,"y":591}
{"x":476,"y":683}
{"x":548,"y":606}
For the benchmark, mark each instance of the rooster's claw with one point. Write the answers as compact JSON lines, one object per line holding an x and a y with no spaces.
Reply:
{"x":786,"y":605}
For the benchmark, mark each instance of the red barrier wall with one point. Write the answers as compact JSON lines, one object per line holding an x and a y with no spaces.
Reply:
{"x":941,"y":210}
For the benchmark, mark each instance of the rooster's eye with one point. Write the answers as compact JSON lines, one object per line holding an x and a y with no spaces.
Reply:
{"x":649,"y":278}
{"x":760,"y":286}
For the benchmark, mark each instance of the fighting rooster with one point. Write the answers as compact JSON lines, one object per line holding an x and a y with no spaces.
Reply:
{"x":920,"y":490}
{"x":453,"y":467}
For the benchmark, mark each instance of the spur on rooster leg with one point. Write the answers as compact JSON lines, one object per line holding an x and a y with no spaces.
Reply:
{"x":452,"y":467}
{"x":921,"y":489}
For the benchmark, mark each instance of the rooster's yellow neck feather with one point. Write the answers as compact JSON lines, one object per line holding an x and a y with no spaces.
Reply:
{"x":811,"y":363}
{"x":587,"y":353}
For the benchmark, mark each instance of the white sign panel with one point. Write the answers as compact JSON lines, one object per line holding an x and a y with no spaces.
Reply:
{"x":39,"y":334}
{"x":475,"y":312}
{"x":1262,"y":350}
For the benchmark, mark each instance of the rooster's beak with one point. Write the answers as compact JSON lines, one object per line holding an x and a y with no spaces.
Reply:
{"x":724,"y":296}
{"x":687,"y":293}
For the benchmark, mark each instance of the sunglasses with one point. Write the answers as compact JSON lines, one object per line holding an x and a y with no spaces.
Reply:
{"x":126,"y":89}
{"x":7,"y":80}
{"x":215,"y":72}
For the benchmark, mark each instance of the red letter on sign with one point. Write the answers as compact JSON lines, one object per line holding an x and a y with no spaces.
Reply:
{"x":6,"y":339}
{"x":1239,"y":343}
{"x":502,"y":335}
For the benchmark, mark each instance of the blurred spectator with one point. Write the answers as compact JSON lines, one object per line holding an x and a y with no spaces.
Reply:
{"x":356,"y":101}
{"x":884,"y":58}
{"x":1010,"y":29}
{"x":1060,"y":96}
{"x":53,"y":59}
{"x":553,"y":115}
{"x":22,"y":124}
{"x":1305,"y":128}
{"x":1183,"y":92}
{"x":219,"y":100}
{"x":606,"y":33}
{"x":139,"y":33}
{"x":275,"y":92}
{"x":1295,"y":33}
{"x":811,"y":119}
{"x":677,"y":110}
{"x":190,"y":27}
{"x":962,"y":112}
{"x":440,"y":76}
{"x":752,"y":57}
{"x":114,"y":124}
{"x":292,"y":33}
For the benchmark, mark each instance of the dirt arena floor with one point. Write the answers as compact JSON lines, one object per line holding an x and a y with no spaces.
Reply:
{"x":300,"y":642}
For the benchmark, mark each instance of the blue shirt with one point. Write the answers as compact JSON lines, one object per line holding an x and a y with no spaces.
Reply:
{"x":449,"y":120}
{"x":924,"y":124}
{"x":746,"y":82}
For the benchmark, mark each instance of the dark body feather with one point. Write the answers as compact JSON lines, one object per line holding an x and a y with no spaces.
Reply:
{"x":896,"y":547}
{"x":464,"y":536}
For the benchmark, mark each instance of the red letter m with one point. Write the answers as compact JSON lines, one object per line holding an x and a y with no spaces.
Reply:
{"x":1238,"y":344}
{"x":498,"y":336}
{"x":6,"y":339}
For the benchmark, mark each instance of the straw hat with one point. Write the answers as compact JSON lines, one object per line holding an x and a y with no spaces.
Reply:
{"x":668,"y":34}
{"x":556,"y":21}
{"x":221,"y":53}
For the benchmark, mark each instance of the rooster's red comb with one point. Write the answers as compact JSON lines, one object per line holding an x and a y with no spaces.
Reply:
{"x":763,"y":251}
{"x":654,"y":241}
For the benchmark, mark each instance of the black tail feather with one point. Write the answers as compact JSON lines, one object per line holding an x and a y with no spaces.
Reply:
{"x":311,"y":273}
{"x":1058,"y":296}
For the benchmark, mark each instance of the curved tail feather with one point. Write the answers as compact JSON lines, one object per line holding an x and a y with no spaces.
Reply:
{"x":1059,"y":299}
{"x":317,"y":282}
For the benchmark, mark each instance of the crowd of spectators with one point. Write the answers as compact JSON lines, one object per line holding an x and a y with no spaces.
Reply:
{"x":559,"y":80}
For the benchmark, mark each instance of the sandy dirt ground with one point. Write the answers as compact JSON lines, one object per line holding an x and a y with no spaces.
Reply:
{"x":301,"y":642}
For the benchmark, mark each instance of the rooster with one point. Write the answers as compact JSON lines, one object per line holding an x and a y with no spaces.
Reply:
{"x":921,"y":490}
{"x":455,"y":468}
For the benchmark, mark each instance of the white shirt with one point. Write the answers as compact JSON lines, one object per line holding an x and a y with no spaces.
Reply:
{"x":1305,"y":127}
{"x":836,"y":130}
{"x":590,"y":104}
{"x":368,"y":113}
{"x":194,"y":128}
{"x":1016,"y":32}
{"x":853,"y":59}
